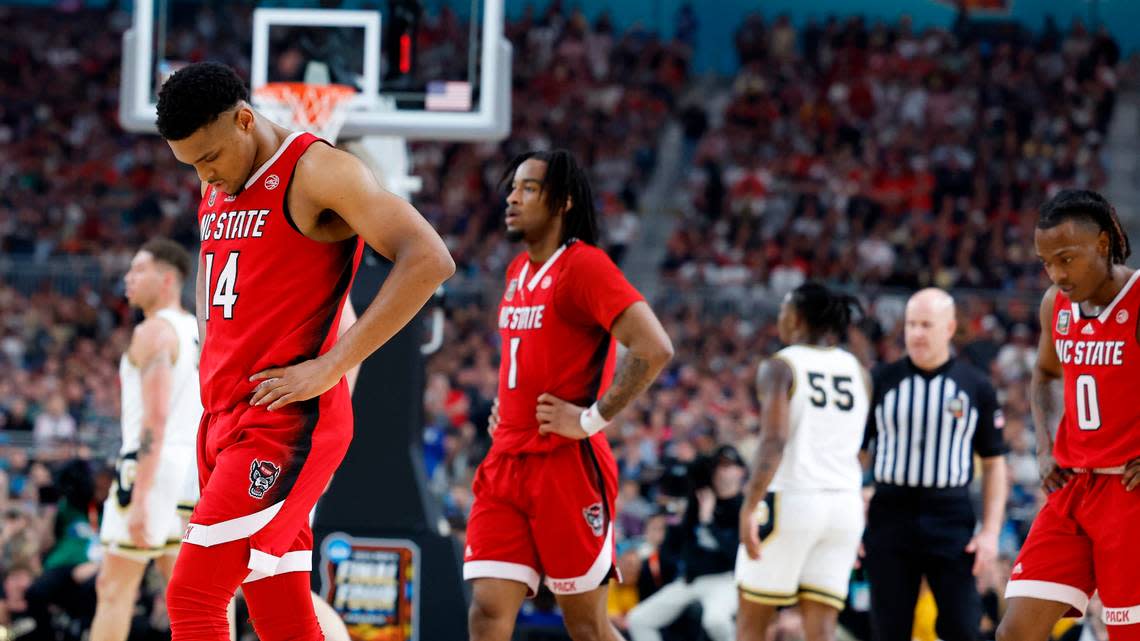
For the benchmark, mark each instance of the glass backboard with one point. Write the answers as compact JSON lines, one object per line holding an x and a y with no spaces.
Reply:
{"x":420,"y":67}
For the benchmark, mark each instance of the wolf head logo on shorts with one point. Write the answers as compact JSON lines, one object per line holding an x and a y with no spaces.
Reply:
{"x":262,"y":476}
{"x":594,"y":518}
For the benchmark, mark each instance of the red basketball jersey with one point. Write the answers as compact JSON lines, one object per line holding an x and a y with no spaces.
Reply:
{"x":1100,"y":358}
{"x":554,"y":321}
{"x":273,"y":295}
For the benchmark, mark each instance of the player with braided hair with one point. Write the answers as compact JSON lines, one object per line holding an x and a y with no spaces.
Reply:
{"x":803,"y":504}
{"x":1083,"y":538}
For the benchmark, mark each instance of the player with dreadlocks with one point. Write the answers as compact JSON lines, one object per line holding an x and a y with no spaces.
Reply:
{"x":804,"y":499}
{"x":1083,"y":540}
{"x":544,"y":496}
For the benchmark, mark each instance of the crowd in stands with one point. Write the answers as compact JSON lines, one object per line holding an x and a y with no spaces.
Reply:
{"x":602,"y":94}
{"x":865,"y":155}
{"x":875,"y":154}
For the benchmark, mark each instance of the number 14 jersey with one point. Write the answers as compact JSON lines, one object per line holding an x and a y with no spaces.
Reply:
{"x":273,"y":295}
{"x":554,"y":322}
{"x":1100,"y":358}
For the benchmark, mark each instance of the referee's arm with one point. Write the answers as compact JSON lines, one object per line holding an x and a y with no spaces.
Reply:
{"x":990,"y":446}
{"x":870,"y":428}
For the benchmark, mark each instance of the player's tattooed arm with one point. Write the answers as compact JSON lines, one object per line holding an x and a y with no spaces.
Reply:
{"x":632,"y":377}
{"x":1046,"y":398}
{"x":154,"y":348}
{"x":774,"y":381}
{"x":648,"y":351}
{"x":146,"y":443}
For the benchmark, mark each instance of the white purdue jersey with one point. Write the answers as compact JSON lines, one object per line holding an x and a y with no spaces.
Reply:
{"x":828,"y":414}
{"x":185,"y":411}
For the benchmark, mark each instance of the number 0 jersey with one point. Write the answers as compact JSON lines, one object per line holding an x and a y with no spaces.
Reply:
{"x":827,"y":411}
{"x":1100,"y":358}
{"x":554,"y":321}
{"x":273,"y":295}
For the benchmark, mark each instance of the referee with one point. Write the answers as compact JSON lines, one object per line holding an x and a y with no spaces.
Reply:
{"x":930,"y":413}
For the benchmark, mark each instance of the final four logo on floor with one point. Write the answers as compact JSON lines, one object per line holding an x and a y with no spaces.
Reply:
{"x":594,"y":518}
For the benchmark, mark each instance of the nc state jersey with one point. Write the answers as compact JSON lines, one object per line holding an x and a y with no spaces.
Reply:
{"x":554,"y":321}
{"x":1100,"y":358}
{"x":273,"y":295}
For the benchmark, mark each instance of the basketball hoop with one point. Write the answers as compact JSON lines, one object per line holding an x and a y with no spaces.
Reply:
{"x":320,"y":109}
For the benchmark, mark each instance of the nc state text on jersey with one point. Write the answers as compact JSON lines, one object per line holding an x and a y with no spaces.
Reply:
{"x":1090,"y":352}
{"x":232,"y":225}
{"x":521,"y":317}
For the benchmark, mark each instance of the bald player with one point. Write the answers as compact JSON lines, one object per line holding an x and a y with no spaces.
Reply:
{"x":930,"y":413}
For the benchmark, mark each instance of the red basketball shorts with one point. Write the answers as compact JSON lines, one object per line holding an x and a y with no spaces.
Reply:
{"x":261,"y":474}
{"x":545,"y":515}
{"x":1084,"y":540}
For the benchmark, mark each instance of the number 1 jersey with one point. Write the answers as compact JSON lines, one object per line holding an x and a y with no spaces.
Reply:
{"x":1100,"y":358}
{"x":554,"y":321}
{"x":273,"y":295}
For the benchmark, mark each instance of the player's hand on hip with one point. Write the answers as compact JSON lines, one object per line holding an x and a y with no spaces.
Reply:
{"x":493,"y":421}
{"x":1131,"y":476}
{"x":749,"y":533}
{"x":556,"y":416}
{"x":984,"y":546}
{"x":1053,"y":477}
{"x":281,"y":386}
{"x":136,"y":524}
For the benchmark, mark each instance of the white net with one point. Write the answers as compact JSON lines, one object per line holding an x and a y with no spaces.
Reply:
{"x":317,"y":108}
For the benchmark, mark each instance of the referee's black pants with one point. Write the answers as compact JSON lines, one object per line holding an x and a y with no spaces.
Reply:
{"x":914,"y":533}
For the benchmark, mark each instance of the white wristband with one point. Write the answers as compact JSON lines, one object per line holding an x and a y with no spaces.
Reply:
{"x":591,"y":420}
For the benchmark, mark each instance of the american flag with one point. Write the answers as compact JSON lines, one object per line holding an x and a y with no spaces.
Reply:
{"x":448,"y":95}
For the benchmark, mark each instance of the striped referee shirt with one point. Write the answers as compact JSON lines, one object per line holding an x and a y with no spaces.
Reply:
{"x":924,"y":427}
